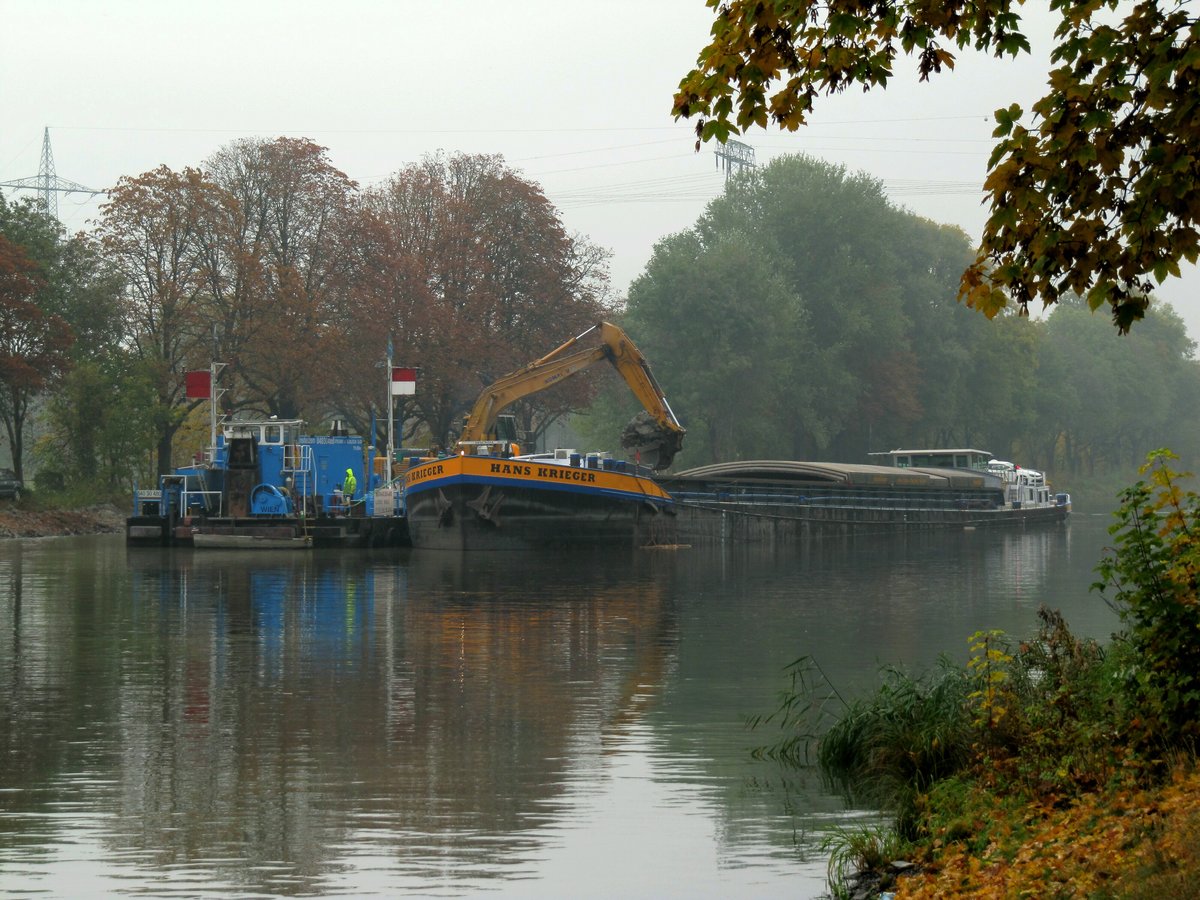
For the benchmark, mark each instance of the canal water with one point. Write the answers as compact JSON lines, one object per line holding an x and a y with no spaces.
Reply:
{"x":367,"y":724}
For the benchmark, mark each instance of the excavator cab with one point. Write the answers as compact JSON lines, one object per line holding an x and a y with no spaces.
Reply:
{"x":506,"y":428}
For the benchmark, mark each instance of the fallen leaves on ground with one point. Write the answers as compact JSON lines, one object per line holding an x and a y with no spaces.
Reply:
{"x":1122,"y":843}
{"x":1114,"y":844}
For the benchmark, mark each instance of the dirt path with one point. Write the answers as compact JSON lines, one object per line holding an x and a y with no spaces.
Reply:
{"x":16,"y":522}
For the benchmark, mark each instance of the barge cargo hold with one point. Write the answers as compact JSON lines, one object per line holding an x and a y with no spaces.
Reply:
{"x":783,"y":500}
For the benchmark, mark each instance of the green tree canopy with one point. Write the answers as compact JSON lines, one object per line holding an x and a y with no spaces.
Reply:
{"x":805,"y":316}
{"x":1096,"y":195}
{"x":1106,"y":402}
{"x":724,"y":332}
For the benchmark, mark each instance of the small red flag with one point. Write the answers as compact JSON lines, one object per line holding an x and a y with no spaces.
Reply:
{"x":198,"y":384}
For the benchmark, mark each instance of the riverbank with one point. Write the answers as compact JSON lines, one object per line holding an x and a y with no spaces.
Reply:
{"x":19,"y":522}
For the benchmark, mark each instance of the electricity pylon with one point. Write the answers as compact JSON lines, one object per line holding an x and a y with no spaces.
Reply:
{"x":735,"y":154}
{"x":47,"y":183}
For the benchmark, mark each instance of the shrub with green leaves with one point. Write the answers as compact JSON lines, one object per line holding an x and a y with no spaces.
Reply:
{"x":1067,"y":730}
{"x":1150,"y":578}
{"x":1037,"y":721}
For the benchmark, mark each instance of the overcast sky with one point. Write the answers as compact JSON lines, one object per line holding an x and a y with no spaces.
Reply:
{"x":575,"y":95}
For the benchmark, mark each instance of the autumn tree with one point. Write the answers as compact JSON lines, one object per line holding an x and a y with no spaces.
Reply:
{"x":75,"y":281}
{"x":278,"y":269}
{"x":75,"y":285}
{"x":33,"y":345}
{"x":149,"y":230}
{"x":1094,"y":194}
{"x":467,"y":266}
{"x":390,"y":304}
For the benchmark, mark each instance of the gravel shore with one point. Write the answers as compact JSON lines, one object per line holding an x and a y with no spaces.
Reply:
{"x":16,"y":522}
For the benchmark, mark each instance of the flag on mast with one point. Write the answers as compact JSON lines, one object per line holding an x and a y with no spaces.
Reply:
{"x":404,"y":380}
{"x":198,"y":385}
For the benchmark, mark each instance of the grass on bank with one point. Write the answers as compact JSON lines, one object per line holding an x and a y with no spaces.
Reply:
{"x":54,"y":494}
{"x":1045,"y":767}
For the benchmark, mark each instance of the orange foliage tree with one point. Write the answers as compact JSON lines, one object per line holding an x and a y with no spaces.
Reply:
{"x":271,"y":260}
{"x":467,"y":267}
{"x":278,"y":271}
{"x":149,"y":230}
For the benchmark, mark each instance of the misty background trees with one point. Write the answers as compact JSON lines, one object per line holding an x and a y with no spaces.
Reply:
{"x":805,"y":316}
{"x":802,"y":316}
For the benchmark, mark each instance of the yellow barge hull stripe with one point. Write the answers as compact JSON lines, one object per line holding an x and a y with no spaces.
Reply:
{"x":532,"y":474}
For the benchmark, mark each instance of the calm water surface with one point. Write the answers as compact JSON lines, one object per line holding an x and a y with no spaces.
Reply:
{"x":183,"y":723}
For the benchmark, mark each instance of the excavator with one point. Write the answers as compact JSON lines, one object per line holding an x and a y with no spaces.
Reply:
{"x":654,"y":435}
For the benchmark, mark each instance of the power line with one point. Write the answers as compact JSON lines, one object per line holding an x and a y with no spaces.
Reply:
{"x":680,"y":126}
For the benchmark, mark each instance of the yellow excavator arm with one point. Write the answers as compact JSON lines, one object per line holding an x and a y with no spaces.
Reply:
{"x":565,"y":361}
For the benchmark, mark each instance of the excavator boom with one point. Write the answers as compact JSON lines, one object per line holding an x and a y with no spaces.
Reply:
{"x":661,"y":436}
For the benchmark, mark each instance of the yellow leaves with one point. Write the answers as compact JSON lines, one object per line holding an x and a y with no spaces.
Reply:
{"x":1104,"y":844}
{"x":976,"y":291}
{"x":792,"y":119}
{"x":989,"y":662}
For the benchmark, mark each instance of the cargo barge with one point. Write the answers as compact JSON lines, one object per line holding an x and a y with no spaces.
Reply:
{"x":475,"y":502}
{"x":264,"y":484}
{"x":487,"y":495}
{"x":782,"y":500}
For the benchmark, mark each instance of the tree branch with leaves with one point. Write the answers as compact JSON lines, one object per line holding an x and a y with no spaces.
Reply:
{"x":1098,"y":195}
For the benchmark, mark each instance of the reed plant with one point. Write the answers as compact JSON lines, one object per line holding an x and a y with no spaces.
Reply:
{"x":888,"y":748}
{"x":862,"y":849}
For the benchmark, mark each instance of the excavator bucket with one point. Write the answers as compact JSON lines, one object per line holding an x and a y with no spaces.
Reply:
{"x":654,"y":445}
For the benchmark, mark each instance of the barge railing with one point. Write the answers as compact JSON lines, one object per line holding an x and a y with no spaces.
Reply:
{"x":839,"y":497}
